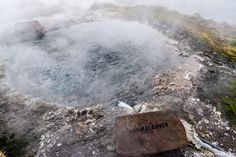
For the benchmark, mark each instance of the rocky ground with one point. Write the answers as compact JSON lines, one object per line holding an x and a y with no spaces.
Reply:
{"x":50,"y":130}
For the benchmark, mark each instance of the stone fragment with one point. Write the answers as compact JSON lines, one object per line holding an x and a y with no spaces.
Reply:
{"x":149,"y":133}
{"x":128,"y":108}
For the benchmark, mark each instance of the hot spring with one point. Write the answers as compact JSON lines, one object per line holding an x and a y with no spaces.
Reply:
{"x":95,"y":62}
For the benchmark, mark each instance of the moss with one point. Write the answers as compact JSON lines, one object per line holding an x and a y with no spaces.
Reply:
{"x":230,"y":104}
{"x":219,"y":45}
{"x":231,"y":51}
{"x":232,"y":43}
{"x":12,"y":146}
{"x":229,"y":101}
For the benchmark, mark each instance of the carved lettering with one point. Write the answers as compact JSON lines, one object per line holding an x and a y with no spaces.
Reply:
{"x":149,"y":127}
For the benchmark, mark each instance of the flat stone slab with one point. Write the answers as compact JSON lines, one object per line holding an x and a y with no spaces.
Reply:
{"x":149,"y":133}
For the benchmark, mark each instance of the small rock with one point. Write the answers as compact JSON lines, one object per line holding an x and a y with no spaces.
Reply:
{"x":227,"y":128}
{"x":215,"y":143}
{"x":206,"y":121}
{"x":226,"y":134}
{"x":184,"y":54}
{"x":83,"y":112}
{"x":137,"y":107}
{"x":92,"y":124}
{"x":42,"y":137}
{"x":50,"y":145}
{"x":126,"y":106}
{"x":188,"y":76}
{"x":146,"y":107}
{"x":172,"y":83}
{"x":110,"y":148}
{"x":210,"y":133}
{"x":89,"y":121}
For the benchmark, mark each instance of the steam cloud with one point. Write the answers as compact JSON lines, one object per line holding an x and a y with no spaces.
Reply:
{"x":12,"y":11}
{"x":89,"y":61}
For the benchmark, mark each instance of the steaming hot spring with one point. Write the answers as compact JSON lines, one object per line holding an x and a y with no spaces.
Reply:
{"x":93,"y":62}
{"x":67,"y":71}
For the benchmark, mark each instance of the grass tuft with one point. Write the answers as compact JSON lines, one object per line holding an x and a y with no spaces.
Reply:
{"x":229,"y":101}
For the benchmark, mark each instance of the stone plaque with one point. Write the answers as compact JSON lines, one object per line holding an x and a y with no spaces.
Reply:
{"x":149,"y":133}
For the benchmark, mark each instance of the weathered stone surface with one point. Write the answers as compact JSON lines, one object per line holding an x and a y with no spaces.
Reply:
{"x":149,"y":133}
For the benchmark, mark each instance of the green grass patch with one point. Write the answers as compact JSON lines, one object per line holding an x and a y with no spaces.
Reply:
{"x":220,"y":46}
{"x":229,"y":101}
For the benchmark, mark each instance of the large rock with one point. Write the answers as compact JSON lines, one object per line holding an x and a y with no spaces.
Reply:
{"x":149,"y":133}
{"x":31,"y":30}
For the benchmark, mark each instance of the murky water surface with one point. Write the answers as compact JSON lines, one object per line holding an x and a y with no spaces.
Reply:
{"x":89,"y":63}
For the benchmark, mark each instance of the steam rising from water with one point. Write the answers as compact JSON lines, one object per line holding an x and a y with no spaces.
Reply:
{"x":217,"y":10}
{"x":89,"y":63}
{"x":12,"y":11}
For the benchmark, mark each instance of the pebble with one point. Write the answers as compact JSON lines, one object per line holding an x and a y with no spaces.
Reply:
{"x":110,"y":148}
{"x":226,"y":134}
{"x":92,"y":124}
{"x":42,"y":137}
{"x":184,"y":54}
{"x":50,"y":145}
{"x":227,"y":128}
{"x":206,"y":121}
{"x":210,"y":64}
{"x":89,"y":121}
{"x":210,"y":133}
